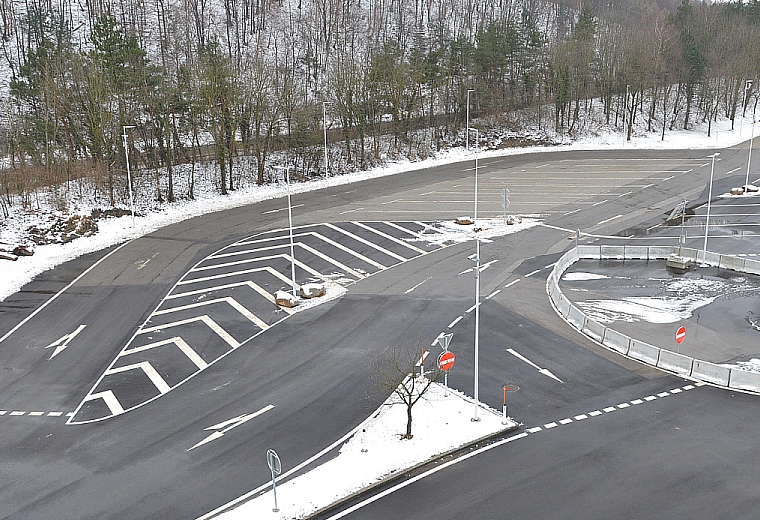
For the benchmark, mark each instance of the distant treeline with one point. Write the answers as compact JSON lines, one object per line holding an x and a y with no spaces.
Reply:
{"x":200,"y":80}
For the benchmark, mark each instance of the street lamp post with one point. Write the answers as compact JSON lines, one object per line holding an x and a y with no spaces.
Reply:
{"x":747,"y":86}
{"x":749,"y":159}
{"x":324,"y":127}
{"x":709,"y":198}
{"x":129,"y":173}
{"x":625,"y":113}
{"x":467,"y":134}
{"x":290,"y":227}
{"x":475,"y":417}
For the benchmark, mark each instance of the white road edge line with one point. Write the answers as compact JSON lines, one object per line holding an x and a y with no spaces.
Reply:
{"x":56,"y":295}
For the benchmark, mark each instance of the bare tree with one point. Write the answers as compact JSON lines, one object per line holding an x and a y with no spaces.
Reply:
{"x":400,"y":374}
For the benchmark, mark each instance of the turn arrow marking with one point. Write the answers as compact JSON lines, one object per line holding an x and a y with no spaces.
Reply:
{"x":61,"y":343}
{"x":543,"y":371}
{"x":224,"y":427}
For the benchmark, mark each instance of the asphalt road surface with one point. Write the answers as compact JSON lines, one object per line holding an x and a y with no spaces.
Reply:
{"x":153,"y":386}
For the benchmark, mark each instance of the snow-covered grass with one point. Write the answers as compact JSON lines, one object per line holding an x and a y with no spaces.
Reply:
{"x":376,"y":451}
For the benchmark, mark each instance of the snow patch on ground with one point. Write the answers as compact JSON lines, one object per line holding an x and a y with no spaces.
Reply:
{"x":376,"y":451}
{"x":581,"y":277}
{"x":753,"y":365}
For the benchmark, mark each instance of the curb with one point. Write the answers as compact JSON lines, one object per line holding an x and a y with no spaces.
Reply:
{"x":400,"y":473}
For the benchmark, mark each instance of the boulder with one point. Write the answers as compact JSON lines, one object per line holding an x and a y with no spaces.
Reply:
{"x":464,"y":221}
{"x":312,"y":290}
{"x":285,"y":299}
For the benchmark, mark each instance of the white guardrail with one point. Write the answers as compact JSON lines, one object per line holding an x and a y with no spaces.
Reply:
{"x":664,"y":359}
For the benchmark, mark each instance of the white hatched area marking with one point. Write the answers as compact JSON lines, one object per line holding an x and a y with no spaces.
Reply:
{"x":227,"y":299}
{"x":146,"y":367}
{"x":183,"y":346}
{"x":597,"y":413}
{"x":204,"y":319}
{"x":204,"y":285}
{"x":267,"y":269}
{"x":366,"y":242}
{"x":247,"y":283}
{"x":389,"y":237}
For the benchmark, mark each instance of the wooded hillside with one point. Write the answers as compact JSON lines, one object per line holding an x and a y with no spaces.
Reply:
{"x":220,"y":80}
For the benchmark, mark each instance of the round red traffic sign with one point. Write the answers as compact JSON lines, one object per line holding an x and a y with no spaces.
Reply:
{"x":680,"y":335}
{"x":446,"y":360}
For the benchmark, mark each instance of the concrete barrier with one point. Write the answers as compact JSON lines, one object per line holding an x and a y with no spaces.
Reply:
{"x":734,"y":263}
{"x":644,"y":352}
{"x":587,"y":252}
{"x":660,"y":252}
{"x":687,"y":252}
{"x":744,"y":380}
{"x":616,"y":252}
{"x":617,"y":341}
{"x":594,"y":330}
{"x":709,"y":257}
{"x":636,"y":253}
{"x":576,"y":318}
{"x":675,"y":362}
{"x":563,"y":305}
{"x":752,"y":266}
{"x":710,"y":372}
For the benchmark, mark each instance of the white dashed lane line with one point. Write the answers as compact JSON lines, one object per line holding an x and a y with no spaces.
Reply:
{"x":20,"y":413}
{"x":597,"y":413}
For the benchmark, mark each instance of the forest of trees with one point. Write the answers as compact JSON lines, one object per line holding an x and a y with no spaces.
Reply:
{"x":221,"y":80}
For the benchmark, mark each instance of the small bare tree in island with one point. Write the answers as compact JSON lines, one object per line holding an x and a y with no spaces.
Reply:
{"x":400,"y":373}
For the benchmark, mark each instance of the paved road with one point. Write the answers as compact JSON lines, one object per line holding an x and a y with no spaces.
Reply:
{"x":303,"y":383}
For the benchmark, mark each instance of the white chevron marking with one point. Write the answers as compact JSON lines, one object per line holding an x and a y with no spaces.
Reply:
{"x":390,"y":237}
{"x":227,"y":299}
{"x":205,"y":319}
{"x":113,"y":404}
{"x":366,"y":242}
{"x":146,"y":367}
{"x":179,"y":342}
{"x":263,"y":292}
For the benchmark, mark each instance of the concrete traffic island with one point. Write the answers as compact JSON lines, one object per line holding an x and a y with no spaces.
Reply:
{"x":653,"y":351}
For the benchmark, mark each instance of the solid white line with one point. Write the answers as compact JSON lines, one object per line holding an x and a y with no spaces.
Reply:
{"x":389,"y":237}
{"x":413,"y":288}
{"x":205,"y":319}
{"x":56,"y":295}
{"x":455,"y":322}
{"x":608,"y":220}
{"x":155,"y":378}
{"x":281,"y":209}
{"x":179,"y":342}
{"x":227,"y":299}
{"x":365,"y":242}
{"x":432,"y":471}
{"x":107,"y":395}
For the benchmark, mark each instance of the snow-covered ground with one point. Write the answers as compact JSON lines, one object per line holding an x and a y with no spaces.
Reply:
{"x":375,"y":451}
{"x":113,"y":230}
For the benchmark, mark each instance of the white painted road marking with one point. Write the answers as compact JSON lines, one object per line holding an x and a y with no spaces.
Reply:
{"x":543,"y":371}
{"x":224,"y":427}
{"x":61,"y":343}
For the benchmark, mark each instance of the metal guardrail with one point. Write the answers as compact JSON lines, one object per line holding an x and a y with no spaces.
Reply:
{"x":684,"y":366}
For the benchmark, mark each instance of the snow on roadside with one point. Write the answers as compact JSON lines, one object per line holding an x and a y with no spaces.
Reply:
{"x":113,"y":231}
{"x":384,"y":454}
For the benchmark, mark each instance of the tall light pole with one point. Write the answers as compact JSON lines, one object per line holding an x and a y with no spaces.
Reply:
{"x":467,"y":135}
{"x":475,"y":417}
{"x":709,"y":198}
{"x":324,"y":127}
{"x":129,"y":173}
{"x":749,"y":159}
{"x":290,"y":227}
{"x":625,"y":113}
{"x":747,"y":86}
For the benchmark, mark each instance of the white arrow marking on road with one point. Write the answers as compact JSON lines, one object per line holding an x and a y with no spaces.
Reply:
{"x":543,"y":371}
{"x":61,"y":343}
{"x":224,"y":427}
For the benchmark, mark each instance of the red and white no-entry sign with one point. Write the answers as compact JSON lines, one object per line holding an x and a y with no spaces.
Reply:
{"x":680,"y":335}
{"x":446,"y":360}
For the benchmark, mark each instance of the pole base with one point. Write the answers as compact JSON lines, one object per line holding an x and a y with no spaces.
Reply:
{"x":474,"y":419}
